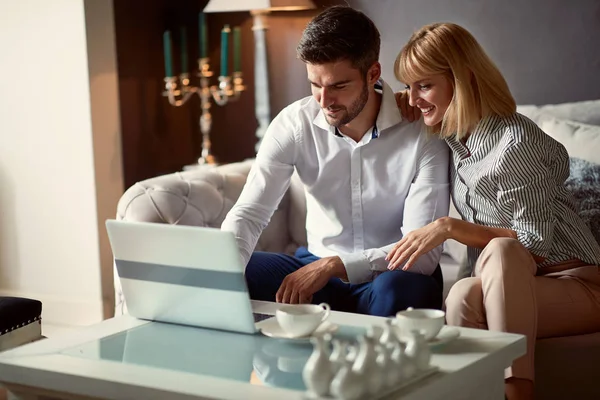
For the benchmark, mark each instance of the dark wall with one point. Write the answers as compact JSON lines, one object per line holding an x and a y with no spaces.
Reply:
{"x":158,"y":138}
{"x":547,"y":50}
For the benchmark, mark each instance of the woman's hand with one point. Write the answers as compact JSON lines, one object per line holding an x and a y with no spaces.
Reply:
{"x":408,"y":112}
{"x":417,"y":243}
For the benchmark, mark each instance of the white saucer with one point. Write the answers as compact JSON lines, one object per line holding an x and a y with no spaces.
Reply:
{"x":446,"y":334}
{"x":270,"y":327}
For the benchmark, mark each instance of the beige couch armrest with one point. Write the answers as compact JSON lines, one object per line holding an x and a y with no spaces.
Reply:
{"x":199,"y":197}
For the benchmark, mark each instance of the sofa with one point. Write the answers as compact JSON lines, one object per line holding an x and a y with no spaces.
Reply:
{"x":566,"y":367}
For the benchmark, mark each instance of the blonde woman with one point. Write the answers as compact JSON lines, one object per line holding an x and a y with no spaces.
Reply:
{"x":535,"y":261}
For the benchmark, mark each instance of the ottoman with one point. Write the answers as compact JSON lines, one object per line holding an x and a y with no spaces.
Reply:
{"x":20,"y":321}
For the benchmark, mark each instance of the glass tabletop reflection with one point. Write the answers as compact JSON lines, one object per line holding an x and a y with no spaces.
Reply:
{"x":255,"y":358}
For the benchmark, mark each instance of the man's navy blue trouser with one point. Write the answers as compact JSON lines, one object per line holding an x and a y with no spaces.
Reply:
{"x":388,"y":293}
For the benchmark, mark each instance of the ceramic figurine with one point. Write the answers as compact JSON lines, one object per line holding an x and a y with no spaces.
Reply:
{"x":351,"y":352}
{"x":347,"y":384}
{"x":366,"y":366}
{"x":418,"y":350}
{"x":375,"y":332}
{"x":386,"y":367}
{"x":338,"y":355}
{"x":403,"y":364}
{"x":389,"y":335}
{"x":317,"y":373}
{"x":394,"y":372}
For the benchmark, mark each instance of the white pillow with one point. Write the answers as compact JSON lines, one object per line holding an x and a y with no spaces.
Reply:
{"x":587,"y":112}
{"x":580,"y":140}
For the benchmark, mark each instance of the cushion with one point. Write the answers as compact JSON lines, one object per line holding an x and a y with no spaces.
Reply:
{"x":16,"y":312}
{"x":584,"y":183}
{"x":581,"y":140}
{"x":587,"y":112}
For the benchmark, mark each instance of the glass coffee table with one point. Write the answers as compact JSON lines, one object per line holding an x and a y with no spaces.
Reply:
{"x":125,"y":358}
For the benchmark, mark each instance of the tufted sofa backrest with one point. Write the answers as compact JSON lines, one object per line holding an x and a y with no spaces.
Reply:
{"x":204,"y":196}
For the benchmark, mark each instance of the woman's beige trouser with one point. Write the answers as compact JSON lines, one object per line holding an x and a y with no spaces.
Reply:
{"x":506,"y":295}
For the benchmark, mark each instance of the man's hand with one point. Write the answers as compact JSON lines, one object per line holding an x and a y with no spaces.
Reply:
{"x":408,"y":112}
{"x":299,"y":287}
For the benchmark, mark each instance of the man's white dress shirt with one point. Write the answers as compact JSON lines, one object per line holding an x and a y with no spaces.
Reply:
{"x":361,"y":198}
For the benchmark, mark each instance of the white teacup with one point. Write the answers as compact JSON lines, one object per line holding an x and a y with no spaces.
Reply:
{"x":302,"y":319}
{"x":425,"y":320}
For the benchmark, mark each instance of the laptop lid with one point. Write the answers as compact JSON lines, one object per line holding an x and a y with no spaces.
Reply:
{"x":181,"y":274}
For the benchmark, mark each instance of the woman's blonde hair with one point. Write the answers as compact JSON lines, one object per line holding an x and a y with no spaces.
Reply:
{"x":479,"y":88}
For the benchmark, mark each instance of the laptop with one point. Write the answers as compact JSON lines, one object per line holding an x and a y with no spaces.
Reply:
{"x":183,"y":275}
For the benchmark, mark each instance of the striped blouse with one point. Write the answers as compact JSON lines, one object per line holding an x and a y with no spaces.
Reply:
{"x":510,"y":174}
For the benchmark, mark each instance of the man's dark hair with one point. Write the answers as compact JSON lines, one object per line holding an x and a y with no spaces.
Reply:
{"x":340,"y":33}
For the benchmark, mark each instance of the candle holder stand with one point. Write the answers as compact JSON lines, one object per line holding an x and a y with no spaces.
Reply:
{"x":228,"y":90}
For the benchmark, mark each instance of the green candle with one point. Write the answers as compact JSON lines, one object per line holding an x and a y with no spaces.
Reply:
{"x":167,"y":51}
{"x":184,"y":54}
{"x":224,"y":49}
{"x":203,"y":35}
{"x":237,"y":49}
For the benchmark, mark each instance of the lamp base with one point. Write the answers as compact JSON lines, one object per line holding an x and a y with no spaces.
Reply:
{"x":261,"y":75}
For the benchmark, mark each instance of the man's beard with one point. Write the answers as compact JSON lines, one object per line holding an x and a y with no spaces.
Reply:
{"x":348,"y":114}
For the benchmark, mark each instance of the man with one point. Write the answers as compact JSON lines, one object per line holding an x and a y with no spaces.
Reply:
{"x":369,"y":179}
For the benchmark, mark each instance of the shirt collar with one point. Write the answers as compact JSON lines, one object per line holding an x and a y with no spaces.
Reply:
{"x":374,"y":132}
{"x":483,"y":128}
{"x":389,"y":114}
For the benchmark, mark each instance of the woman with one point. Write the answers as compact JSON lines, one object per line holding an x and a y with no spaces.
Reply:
{"x":535,"y":261}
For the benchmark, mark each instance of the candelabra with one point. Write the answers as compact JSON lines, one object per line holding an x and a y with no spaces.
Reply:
{"x":228,"y":90}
